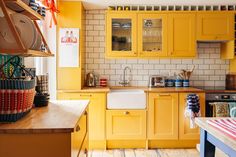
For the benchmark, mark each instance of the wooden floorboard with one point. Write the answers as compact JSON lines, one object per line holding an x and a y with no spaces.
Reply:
{"x":149,"y":153}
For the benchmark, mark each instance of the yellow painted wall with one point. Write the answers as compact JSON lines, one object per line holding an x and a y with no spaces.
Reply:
{"x":71,"y":16}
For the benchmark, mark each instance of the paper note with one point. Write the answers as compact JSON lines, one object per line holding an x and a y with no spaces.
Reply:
{"x":69,"y":47}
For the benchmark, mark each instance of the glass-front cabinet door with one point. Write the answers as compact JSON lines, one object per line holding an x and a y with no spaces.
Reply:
{"x":121,"y":35}
{"x":152,"y":35}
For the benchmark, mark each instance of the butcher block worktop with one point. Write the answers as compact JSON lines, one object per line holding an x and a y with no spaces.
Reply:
{"x":146,"y":89}
{"x":58,"y":116}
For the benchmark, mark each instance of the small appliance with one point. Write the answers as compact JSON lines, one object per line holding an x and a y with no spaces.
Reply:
{"x":91,"y":79}
{"x":156,"y":81}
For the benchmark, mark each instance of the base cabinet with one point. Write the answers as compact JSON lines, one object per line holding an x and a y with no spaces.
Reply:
{"x":163,"y":116}
{"x":45,"y":144}
{"x":167,"y":125}
{"x":126,"y":124}
{"x":96,"y":118}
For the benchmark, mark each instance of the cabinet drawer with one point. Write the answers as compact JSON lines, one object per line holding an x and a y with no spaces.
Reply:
{"x":78,"y":136}
{"x":76,"y":96}
{"x":126,"y":124}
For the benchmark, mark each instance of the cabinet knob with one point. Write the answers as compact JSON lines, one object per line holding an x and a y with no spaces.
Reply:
{"x":126,"y":112}
{"x":77,"y":128}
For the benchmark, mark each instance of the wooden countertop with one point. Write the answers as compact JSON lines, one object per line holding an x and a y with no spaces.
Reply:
{"x":202,"y":122}
{"x":146,"y":89}
{"x":220,"y":91}
{"x":58,"y":116}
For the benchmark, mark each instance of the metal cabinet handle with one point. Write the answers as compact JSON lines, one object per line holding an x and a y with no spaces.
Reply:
{"x":163,"y":94}
{"x":126,"y":112}
{"x":86,"y":95}
{"x":77,"y":128}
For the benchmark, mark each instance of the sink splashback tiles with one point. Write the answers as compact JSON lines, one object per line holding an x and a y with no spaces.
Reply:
{"x":210,"y":70}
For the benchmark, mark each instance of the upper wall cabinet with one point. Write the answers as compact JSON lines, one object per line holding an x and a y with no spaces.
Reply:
{"x":152,"y":35}
{"x":121,"y":34}
{"x":181,"y":35}
{"x":215,"y":26}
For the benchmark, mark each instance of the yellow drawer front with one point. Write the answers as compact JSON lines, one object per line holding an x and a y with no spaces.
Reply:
{"x":126,"y":124}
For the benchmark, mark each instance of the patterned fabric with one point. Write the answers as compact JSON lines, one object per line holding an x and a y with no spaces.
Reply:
{"x":232,"y":109}
{"x":221,"y":109}
{"x":8,"y":69}
{"x":225,"y":125}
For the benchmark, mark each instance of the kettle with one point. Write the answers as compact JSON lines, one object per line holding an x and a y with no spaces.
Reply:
{"x":91,"y":79}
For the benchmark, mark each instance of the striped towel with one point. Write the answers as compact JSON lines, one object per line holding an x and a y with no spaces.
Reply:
{"x":225,"y":125}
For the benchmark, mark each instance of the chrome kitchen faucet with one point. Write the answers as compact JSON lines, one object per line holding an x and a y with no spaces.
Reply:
{"x":125,"y":82}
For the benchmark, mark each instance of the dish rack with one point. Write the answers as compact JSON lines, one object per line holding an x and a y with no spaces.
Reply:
{"x":21,"y":49}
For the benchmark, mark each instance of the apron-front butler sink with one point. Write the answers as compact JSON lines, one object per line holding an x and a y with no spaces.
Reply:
{"x":126,"y":99}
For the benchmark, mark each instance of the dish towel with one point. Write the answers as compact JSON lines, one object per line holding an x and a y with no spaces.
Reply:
{"x":192,"y":109}
{"x":220,"y":109}
{"x":225,"y":125}
{"x":232,"y":109}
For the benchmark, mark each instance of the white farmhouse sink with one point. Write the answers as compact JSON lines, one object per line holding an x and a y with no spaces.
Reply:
{"x":126,"y":99}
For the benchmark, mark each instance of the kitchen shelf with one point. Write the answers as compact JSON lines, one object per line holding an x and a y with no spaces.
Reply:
{"x":21,"y":49}
{"x":33,"y":15}
{"x":29,"y":53}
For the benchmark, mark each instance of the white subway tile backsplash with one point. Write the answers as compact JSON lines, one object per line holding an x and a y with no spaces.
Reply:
{"x":209,"y":70}
{"x":214,"y":66}
{"x":148,"y":66}
{"x":165,"y":61}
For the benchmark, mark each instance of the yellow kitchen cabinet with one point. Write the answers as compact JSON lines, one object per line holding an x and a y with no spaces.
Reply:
{"x":233,"y":66}
{"x":96,"y":118}
{"x":72,"y":15}
{"x":121,"y":34}
{"x":84,"y":149}
{"x":215,"y":26}
{"x":185,"y":132}
{"x":152,"y":35}
{"x":126,"y":124}
{"x":181,"y":35}
{"x":79,"y":135}
{"x":163,"y":116}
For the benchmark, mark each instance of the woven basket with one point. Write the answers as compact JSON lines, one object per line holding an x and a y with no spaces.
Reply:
{"x":16,"y":103}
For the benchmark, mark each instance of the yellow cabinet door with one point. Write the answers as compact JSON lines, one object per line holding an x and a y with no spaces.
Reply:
{"x":79,"y":134}
{"x":152,"y":35}
{"x":163,"y":116}
{"x":126,"y":124}
{"x":215,"y":26}
{"x":185,"y":132}
{"x":181,"y":35}
{"x":121,"y":34}
{"x":96,"y":118}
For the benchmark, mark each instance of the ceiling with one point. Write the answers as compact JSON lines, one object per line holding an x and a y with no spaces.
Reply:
{"x":103,"y":4}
